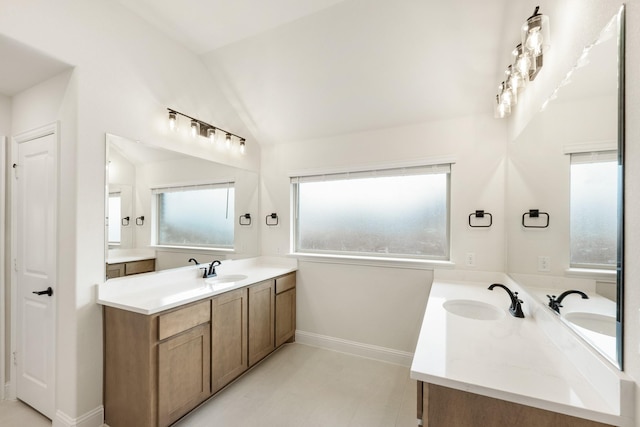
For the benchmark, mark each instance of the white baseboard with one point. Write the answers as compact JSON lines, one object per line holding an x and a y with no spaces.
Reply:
{"x":369,"y":351}
{"x":93,"y":418}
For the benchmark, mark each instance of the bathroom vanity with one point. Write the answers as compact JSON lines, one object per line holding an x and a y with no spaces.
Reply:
{"x":172,"y":339}
{"x":126,"y":262}
{"x":476,"y":364}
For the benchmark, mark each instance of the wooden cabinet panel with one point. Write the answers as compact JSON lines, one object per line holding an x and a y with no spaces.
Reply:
{"x":184,"y":380}
{"x":443,"y":406}
{"x":284,"y":283}
{"x":261,"y":320}
{"x":129,"y":268}
{"x":285,"y":316}
{"x":130,"y":365}
{"x":115,"y":270}
{"x":180,"y":320}
{"x":228,"y":337}
{"x":136,"y":267}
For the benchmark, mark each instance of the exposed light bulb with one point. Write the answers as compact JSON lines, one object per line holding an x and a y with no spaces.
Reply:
{"x":211,"y":133}
{"x":194,"y":128}
{"x":534,"y":41}
{"x":242,"y":146}
{"x":172,"y":120}
{"x":228,"y":141}
{"x":502,"y":110}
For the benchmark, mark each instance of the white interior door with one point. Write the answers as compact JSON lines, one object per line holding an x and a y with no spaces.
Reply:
{"x":35,"y":189}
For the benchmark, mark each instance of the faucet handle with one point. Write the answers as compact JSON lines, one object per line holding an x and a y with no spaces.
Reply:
{"x":515,"y":295}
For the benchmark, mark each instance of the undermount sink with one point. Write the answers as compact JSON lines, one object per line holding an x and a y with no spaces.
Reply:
{"x":470,"y":309}
{"x":227,"y":279}
{"x":600,"y":323}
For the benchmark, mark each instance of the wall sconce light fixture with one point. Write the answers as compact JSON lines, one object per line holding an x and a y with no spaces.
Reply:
{"x":204,"y":129}
{"x":527,"y":62}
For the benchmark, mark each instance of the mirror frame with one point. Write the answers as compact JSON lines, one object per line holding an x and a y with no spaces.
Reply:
{"x":621,"y":145}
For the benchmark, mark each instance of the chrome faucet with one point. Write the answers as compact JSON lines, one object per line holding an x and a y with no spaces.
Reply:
{"x":516,"y":308}
{"x":555,"y":303}
{"x":211,"y":271}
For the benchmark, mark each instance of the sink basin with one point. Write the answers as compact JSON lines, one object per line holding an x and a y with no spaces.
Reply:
{"x":470,"y":309}
{"x":226,"y":279}
{"x":600,"y":323}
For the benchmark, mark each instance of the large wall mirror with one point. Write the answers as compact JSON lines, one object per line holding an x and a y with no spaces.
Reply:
{"x":171,"y":207}
{"x":567,"y":164}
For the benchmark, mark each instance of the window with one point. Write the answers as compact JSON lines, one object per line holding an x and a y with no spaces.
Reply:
{"x":113,"y":227}
{"x":195,"y":216}
{"x":594,"y":209}
{"x":400,"y":213}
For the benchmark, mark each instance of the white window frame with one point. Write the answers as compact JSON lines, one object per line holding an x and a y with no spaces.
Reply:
{"x":581,"y":155}
{"x":155,"y":223}
{"x":405,"y":261}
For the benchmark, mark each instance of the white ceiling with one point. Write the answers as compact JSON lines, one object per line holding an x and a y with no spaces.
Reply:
{"x":205,"y":25}
{"x":23,"y":67}
{"x":297,"y":70}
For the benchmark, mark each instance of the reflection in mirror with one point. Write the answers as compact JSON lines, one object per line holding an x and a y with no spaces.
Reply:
{"x":567,"y":162}
{"x":191,"y":209}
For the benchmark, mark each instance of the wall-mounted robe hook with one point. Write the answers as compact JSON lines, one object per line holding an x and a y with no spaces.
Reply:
{"x":480,"y":214}
{"x":534,"y":213}
{"x":140,"y":220}
{"x":273,"y":216}
{"x":125,"y":221}
{"x":245,"y":219}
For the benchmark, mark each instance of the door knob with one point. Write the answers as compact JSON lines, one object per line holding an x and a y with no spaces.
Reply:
{"x":47,"y":292}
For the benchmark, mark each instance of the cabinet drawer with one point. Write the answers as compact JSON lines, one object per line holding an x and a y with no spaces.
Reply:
{"x":183,"y":319}
{"x":136,"y":267}
{"x":285,"y":283}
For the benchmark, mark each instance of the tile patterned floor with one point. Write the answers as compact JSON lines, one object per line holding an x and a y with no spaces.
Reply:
{"x":17,"y":414}
{"x":296,"y":386}
{"x":307,"y":386}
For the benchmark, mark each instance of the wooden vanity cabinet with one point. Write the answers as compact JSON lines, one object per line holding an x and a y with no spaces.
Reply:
{"x":128,"y":268}
{"x":443,"y":406}
{"x":228,"y":337}
{"x":157,"y":367}
{"x":261,"y":320}
{"x":285,"y":309}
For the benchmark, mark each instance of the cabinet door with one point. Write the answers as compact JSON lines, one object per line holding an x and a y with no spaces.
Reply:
{"x":261,"y":320}
{"x":285,"y":316}
{"x":229,"y":337}
{"x":184,"y":363}
{"x":115,"y":270}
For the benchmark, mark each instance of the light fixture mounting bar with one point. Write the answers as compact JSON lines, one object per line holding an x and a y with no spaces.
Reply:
{"x":204,"y":126}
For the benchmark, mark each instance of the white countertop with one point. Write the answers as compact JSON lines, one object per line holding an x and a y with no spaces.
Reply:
{"x":510,"y":358}
{"x":154,"y":292}
{"x":117,"y":256}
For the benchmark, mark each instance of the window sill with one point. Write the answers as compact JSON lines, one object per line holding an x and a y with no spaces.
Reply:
{"x":168,"y":248}
{"x":599,"y":274}
{"x":407,"y":263}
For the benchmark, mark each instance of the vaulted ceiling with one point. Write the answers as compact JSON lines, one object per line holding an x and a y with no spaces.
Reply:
{"x":298,"y":70}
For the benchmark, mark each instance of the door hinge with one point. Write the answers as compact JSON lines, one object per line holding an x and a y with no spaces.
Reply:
{"x":15,"y":264}
{"x":15,"y":358}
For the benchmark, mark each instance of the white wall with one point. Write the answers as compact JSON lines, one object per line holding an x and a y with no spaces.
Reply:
{"x":126,"y":75}
{"x":377,"y":305}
